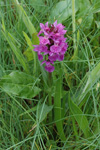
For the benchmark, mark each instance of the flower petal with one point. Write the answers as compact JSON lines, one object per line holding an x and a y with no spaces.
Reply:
{"x":44,"y":40}
{"x":61,"y":57}
{"x":53,"y":57}
{"x":40,"y":57}
{"x":49,"y":68}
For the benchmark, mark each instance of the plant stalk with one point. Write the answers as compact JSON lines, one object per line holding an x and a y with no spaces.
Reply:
{"x":50,"y":95}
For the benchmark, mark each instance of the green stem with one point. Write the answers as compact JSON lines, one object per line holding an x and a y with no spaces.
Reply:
{"x":50,"y":95}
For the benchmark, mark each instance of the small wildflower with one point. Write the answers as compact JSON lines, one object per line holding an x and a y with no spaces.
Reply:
{"x":52,"y":45}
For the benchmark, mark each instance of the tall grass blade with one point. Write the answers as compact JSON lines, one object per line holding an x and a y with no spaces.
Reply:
{"x":25,"y":18}
{"x":16,"y":50}
{"x":58,"y":109}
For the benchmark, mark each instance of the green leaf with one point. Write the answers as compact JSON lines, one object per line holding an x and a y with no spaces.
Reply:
{"x":35,"y":39}
{"x":29,"y":54}
{"x":79,"y":117}
{"x":62,"y":10}
{"x":42,"y":111}
{"x":28,"y":40}
{"x":20,"y":84}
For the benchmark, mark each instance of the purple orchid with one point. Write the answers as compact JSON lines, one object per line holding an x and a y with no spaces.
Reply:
{"x":52,"y":45}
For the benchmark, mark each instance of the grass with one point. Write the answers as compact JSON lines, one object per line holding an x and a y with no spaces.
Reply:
{"x":24,"y":109}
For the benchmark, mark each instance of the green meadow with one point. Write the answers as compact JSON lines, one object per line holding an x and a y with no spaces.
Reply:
{"x":40,"y":110}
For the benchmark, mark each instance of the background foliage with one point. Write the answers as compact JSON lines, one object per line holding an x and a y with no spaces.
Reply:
{"x":24,"y":89}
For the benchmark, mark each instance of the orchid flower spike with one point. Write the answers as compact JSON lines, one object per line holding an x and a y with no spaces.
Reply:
{"x":52,"y":45}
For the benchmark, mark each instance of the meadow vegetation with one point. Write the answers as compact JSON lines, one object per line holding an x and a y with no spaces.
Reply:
{"x":43,"y":111}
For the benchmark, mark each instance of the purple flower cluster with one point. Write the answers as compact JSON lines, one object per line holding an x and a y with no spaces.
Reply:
{"x":52,"y":45}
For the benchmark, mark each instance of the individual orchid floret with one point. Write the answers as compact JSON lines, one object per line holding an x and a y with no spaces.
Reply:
{"x":52,"y":46}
